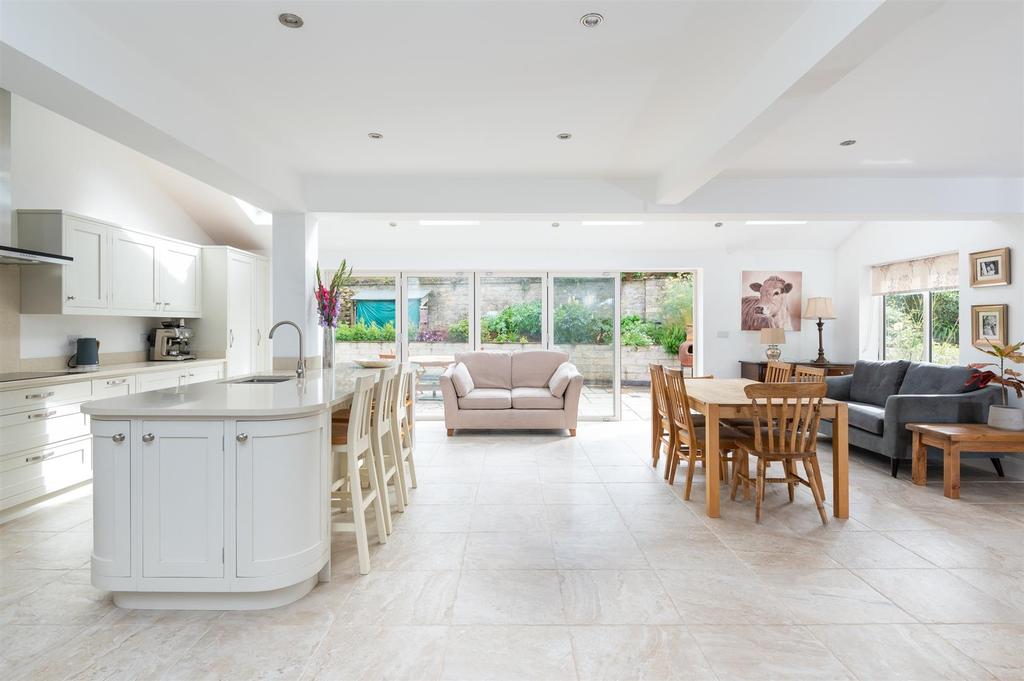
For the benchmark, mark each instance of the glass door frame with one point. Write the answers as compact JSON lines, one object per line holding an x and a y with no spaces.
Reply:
{"x":615,"y":348}
{"x":397,"y":276}
{"x":403,"y":278}
{"x":477,"y":297}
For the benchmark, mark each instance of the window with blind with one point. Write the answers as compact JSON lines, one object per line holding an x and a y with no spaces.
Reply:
{"x":920,"y":308}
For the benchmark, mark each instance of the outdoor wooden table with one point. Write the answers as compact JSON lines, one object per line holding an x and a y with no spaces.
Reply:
{"x":951,"y":438}
{"x":723,"y":398}
{"x":432,"y":360}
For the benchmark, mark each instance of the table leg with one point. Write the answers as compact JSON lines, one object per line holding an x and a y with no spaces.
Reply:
{"x":711,"y":461}
{"x":951,"y":470}
{"x":841,"y":463}
{"x":919,"y":467}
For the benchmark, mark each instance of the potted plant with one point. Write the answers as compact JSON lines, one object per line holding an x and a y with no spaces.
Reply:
{"x":1004,"y":416}
{"x":328,"y":307}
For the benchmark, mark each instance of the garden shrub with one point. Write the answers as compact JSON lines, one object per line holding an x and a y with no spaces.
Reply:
{"x":366,"y":333}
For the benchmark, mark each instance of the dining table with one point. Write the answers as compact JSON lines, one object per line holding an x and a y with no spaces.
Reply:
{"x":723,"y":398}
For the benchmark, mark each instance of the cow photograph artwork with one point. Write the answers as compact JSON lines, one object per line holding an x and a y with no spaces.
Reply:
{"x":771,"y":300}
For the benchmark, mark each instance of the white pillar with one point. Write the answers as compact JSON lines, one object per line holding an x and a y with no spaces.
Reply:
{"x":294,"y":258}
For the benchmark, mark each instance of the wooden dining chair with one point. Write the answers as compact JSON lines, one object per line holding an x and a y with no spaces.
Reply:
{"x":778,"y":372}
{"x":688,"y":438}
{"x":786,"y":420}
{"x":806,"y":374}
{"x":660,"y":429}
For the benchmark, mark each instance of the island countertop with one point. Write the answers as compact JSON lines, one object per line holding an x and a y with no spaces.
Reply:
{"x":229,"y":398}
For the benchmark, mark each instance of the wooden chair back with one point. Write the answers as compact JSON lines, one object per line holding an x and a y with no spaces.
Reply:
{"x":806,"y":374}
{"x":658,"y":395}
{"x":786,"y":416}
{"x":778,"y":372}
{"x":680,"y":415}
{"x":359,"y":415}
{"x":383,"y":397}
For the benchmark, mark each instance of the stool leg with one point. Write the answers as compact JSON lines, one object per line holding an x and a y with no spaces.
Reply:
{"x":359,"y":515}
{"x":382,"y":483}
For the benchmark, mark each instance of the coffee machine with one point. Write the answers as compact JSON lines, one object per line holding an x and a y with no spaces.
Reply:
{"x":171,"y":342}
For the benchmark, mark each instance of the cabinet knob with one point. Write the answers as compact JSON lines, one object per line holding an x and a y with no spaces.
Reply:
{"x":242,"y":437}
{"x":148,"y":437}
{"x":118,"y":438}
{"x":71,"y":297}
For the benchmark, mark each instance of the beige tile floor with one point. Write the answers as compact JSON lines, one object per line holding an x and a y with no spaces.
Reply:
{"x":535,"y":556}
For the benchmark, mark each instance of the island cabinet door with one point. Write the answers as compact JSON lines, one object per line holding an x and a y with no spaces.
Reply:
{"x":283,"y":470}
{"x":111,"y":498}
{"x":182,"y":498}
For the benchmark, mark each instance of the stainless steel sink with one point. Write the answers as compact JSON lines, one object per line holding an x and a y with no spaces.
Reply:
{"x":264,"y":379}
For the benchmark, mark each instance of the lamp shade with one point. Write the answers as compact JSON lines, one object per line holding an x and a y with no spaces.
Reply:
{"x":773,"y":336}
{"x":819,"y":308}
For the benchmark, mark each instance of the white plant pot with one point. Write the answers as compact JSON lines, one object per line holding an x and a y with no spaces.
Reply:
{"x":1006,"y":418}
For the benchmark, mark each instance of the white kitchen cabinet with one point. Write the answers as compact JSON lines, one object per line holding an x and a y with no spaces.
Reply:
{"x":202,"y":374}
{"x":158,"y":380}
{"x":182,"y":498}
{"x":102,"y":388}
{"x":81,"y":287}
{"x":180,"y":279}
{"x":280,"y":527}
{"x":235,"y":310}
{"x":112,"y":485}
{"x":134,"y":267}
{"x":31,"y":473}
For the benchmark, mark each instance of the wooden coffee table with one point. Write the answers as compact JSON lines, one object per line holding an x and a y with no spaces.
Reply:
{"x":951,"y":438}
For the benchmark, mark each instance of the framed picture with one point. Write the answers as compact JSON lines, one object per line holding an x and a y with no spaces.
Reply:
{"x":770,"y":300}
{"x":988,"y":323}
{"x":990,"y":268}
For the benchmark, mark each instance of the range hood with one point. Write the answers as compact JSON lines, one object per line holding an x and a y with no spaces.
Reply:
{"x":9,"y":255}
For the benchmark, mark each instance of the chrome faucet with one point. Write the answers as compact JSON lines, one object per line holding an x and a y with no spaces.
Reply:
{"x":300,"y":370}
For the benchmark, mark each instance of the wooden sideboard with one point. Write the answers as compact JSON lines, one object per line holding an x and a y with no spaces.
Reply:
{"x":755,"y":370}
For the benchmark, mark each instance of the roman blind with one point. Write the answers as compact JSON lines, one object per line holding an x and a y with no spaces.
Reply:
{"x":920,"y":274}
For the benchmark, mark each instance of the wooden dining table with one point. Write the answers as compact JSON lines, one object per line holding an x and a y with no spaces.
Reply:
{"x":723,"y":398}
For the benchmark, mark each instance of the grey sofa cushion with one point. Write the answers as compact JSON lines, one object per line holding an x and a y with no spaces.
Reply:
{"x":487,"y":398}
{"x":873,"y":382}
{"x":535,"y":398}
{"x":935,"y":379}
{"x":867,"y":417}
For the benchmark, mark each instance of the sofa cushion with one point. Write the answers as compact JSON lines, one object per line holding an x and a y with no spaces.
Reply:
{"x":867,"y":417}
{"x":560,"y":379}
{"x":533,"y":368}
{"x":934,"y":379}
{"x":487,"y":398}
{"x":488,"y":369}
{"x":874,"y":382}
{"x":462,"y":381}
{"x":535,"y":398}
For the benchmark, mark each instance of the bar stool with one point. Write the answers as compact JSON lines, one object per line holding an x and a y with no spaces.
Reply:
{"x":351,"y":453}
{"x":402,"y":420}
{"x":384,"y":445}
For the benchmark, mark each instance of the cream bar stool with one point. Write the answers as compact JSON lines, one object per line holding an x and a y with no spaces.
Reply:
{"x":395,"y":409}
{"x":404,"y":418}
{"x":384,"y":445}
{"x":351,"y":453}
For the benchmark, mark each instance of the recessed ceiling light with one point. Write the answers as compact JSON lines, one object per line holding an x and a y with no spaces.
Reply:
{"x":375,"y":135}
{"x":290,"y":20}
{"x":610,"y":223}
{"x":776,"y":222}
{"x":555,"y":224}
{"x":257,"y":216}
{"x":564,"y":135}
{"x":591,"y":20}
{"x":393,"y":224}
{"x":449,"y":223}
{"x":718,"y":224}
{"x":847,"y":143}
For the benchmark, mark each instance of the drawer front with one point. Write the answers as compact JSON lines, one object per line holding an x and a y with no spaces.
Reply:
{"x":44,"y":470}
{"x":103,"y":388}
{"x":24,"y":399}
{"x":201,"y":374}
{"x":41,"y":427}
{"x":159,"y":380}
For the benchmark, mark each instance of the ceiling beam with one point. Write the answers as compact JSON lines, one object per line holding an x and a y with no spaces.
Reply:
{"x":821,"y":47}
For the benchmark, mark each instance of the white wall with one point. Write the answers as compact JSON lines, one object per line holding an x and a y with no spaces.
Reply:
{"x":720,"y":277}
{"x":56,"y":163}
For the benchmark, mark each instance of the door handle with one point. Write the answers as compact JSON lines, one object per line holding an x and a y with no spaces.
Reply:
{"x":39,"y":396}
{"x":117,"y":381}
{"x":231,"y":338}
{"x":259,"y":336}
{"x":118,"y":438}
{"x":42,"y":414}
{"x":39,"y":457}
{"x":148,"y":437}
{"x":242,"y":437}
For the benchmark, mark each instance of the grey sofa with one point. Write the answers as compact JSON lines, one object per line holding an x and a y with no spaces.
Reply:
{"x":883,"y":397}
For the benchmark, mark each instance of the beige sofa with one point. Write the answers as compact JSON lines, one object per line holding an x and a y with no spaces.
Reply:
{"x":510,"y":391}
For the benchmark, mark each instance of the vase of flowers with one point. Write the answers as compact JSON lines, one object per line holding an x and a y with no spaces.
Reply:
{"x":328,"y":307}
{"x":1002,"y":416}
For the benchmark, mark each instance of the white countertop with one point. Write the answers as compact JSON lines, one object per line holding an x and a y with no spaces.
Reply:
{"x":312,"y":394}
{"x":108,"y":371}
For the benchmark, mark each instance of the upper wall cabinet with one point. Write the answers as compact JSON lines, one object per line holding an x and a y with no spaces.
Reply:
{"x":116,"y":271}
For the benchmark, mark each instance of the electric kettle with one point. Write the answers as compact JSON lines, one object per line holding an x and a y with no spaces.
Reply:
{"x":87,"y":355}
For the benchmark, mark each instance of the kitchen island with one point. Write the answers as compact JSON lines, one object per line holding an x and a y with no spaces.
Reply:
{"x":216,"y":495}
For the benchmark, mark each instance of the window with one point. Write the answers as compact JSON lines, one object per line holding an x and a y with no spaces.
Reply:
{"x":920,"y":309}
{"x":922,"y":327}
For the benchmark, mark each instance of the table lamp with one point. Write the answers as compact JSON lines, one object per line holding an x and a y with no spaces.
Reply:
{"x":773,"y":338}
{"x":820,"y":309}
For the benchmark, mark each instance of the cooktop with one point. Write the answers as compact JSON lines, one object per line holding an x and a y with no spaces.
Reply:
{"x":26,"y":375}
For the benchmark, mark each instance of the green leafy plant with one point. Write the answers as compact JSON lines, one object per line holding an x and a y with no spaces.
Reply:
{"x":365,"y":333}
{"x":636,"y":332}
{"x":519,"y":323}
{"x":574,"y":323}
{"x":459,"y":331}
{"x":672,"y":337}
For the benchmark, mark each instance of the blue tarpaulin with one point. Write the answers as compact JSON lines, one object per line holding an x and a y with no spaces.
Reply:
{"x":378,"y":307}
